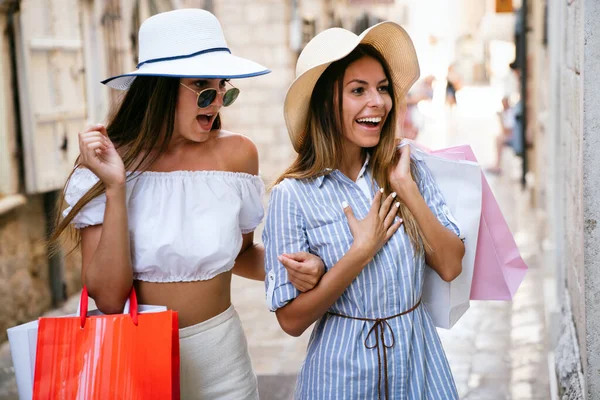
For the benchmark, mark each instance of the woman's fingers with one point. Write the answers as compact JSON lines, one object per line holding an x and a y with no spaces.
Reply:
{"x":94,"y":138}
{"x":291,"y":263}
{"x":300,"y":281}
{"x":300,"y":274}
{"x":93,"y":143}
{"x":376,"y":204}
{"x":100,"y":128}
{"x":93,"y":146}
{"x":392,"y":212}
{"x":302,"y":270}
{"x":94,"y":135}
{"x":392,"y":229}
{"x":385,"y":206}
{"x":307,"y":264}
{"x":352,"y":221}
{"x":90,"y":137}
{"x":298,"y":256}
{"x":90,"y":134}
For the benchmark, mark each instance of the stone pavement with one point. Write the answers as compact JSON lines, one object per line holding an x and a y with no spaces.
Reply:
{"x":497,"y":351}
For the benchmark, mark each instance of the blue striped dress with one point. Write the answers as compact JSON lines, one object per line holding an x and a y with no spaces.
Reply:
{"x":341,"y":361}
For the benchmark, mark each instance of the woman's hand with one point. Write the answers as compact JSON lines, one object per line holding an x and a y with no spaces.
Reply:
{"x":400,"y":177}
{"x":372,"y":232}
{"x":99,"y":155}
{"x":304,"y":269}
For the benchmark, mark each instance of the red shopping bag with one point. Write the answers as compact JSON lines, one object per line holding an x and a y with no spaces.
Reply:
{"x":121,"y":356}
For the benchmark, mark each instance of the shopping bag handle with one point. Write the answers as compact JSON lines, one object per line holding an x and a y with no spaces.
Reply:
{"x":413,"y":145}
{"x":131,"y":306}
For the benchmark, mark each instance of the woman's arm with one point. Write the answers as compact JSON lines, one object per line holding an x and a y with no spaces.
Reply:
{"x":445,"y":251}
{"x":305,"y":269}
{"x":370,"y":234}
{"x":296,"y":316}
{"x":106,"y":261}
{"x":250,"y":260}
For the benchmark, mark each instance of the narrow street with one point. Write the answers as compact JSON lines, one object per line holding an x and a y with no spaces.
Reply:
{"x":496,"y":351}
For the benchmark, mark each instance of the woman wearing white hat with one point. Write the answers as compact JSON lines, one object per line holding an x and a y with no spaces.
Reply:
{"x":168,"y":201}
{"x":373,"y":338}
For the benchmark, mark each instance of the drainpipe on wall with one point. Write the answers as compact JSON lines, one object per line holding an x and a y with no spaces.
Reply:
{"x":58,"y":287}
{"x":523,"y":58}
{"x":10,"y":32}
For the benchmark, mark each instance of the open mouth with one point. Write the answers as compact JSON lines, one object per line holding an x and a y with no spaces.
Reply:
{"x":371,"y":122}
{"x":204,"y":118}
{"x":205,"y":121}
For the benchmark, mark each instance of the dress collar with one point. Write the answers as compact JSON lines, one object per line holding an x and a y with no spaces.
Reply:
{"x":327,"y":171}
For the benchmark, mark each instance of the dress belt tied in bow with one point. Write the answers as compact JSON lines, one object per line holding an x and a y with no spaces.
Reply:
{"x":378,"y":329}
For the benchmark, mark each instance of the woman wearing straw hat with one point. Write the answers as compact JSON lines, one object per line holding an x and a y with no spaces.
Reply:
{"x":166,"y":200}
{"x":374,"y":215}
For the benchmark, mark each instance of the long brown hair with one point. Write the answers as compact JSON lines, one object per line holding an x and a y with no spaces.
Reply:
{"x":322,"y":146}
{"x":141,"y":127}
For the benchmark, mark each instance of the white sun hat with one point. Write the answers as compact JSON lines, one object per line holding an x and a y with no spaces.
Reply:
{"x":333,"y":44}
{"x":185,"y":43}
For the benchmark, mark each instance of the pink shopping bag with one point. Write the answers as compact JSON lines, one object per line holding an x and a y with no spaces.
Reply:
{"x":499,"y":267}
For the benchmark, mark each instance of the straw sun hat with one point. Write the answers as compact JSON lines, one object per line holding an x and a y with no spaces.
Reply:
{"x":185,"y":43}
{"x":333,"y":44}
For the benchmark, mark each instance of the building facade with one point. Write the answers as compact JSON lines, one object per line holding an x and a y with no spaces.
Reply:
{"x":564,"y":117}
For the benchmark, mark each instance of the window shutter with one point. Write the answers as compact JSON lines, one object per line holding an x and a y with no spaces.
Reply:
{"x":51,"y":89}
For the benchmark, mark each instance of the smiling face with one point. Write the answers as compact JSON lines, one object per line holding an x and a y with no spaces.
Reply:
{"x":366,"y":102}
{"x":195,"y":123}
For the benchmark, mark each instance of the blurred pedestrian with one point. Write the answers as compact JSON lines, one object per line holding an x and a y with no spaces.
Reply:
{"x":511,"y":128}
{"x":507,"y":119}
{"x":454,"y":84}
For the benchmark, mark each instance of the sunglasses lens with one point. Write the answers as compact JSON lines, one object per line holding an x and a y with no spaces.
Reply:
{"x":206,"y":97}
{"x":230,"y":96}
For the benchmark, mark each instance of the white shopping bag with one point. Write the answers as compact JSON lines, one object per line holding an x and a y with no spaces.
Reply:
{"x":23,"y":339}
{"x":23,"y":343}
{"x":460,"y":183}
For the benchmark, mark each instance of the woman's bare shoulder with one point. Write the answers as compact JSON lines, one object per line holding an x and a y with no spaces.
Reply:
{"x":240,"y":150}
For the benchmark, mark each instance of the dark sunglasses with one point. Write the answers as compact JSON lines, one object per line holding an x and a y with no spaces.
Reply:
{"x":207,"y":96}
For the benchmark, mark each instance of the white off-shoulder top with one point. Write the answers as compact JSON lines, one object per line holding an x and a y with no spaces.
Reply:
{"x":183,"y":225}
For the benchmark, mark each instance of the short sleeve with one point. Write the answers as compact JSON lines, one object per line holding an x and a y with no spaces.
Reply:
{"x":252,"y":212}
{"x":433,"y":197}
{"x":79,"y":184}
{"x":284,"y":232}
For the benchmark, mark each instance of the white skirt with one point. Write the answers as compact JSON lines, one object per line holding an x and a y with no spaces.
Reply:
{"x":215,"y":363}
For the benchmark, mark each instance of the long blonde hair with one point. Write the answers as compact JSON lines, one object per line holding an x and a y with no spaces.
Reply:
{"x":322,"y":146}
